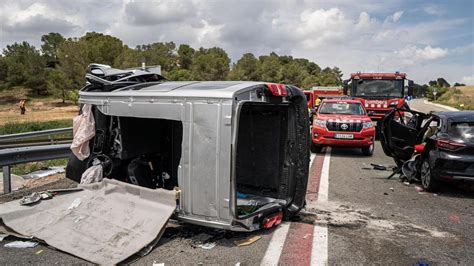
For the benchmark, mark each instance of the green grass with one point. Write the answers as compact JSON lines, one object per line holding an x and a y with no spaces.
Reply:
{"x":12,"y":127}
{"x":25,"y":168}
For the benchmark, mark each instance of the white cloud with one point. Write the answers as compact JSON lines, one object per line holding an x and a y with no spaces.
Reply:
{"x":433,"y":10}
{"x":411,"y":55}
{"x":394,"y":17}
{"x":468,"y":80}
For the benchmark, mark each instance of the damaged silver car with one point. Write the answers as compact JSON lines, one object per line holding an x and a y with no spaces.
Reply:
{"x":237,"y":152}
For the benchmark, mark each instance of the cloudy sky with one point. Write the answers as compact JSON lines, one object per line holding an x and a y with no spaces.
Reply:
{"x":426,"y":39}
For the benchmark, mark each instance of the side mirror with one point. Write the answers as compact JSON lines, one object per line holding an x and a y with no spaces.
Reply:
{"x":410,"y":87}
{"x":345,"y":86}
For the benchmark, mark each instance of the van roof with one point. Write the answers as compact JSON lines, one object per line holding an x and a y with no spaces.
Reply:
{"x":198,"y":89}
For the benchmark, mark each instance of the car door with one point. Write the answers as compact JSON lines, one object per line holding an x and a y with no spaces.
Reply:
{"x":400,"y":128}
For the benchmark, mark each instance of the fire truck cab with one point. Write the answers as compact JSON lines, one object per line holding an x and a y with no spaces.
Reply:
{"x":379,"y":92}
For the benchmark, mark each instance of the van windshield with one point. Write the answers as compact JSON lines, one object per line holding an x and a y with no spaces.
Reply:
{"x":342,"y":108}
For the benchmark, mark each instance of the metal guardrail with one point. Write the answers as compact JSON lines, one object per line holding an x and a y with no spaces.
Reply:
{"x":32,"y":134}
{"x":14,"y":156}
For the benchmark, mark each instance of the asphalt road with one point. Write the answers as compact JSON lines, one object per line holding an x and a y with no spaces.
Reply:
{"x":366,"y":219}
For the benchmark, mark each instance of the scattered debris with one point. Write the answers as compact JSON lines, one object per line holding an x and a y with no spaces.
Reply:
{"x":406,"y":183}
{"x":379,"y":167}
{"x":158,"y":263}
{"x":30,"y":199}
{"x":454,"y":218}
{"x":3,"y":236}
{"x":209,"y":245}
{"x":47,"y":171}
{"x":419,"y":189}
{"x":75,"y":204}
{"x":39,"y":251}
{"x":247,"y":241}
{"x":385,"y":193}
{"x":21,"y":244}
{"x":392,"y":189}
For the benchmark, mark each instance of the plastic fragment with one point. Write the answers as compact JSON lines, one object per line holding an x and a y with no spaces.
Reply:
{"x":39,"y":252}
{"x":209,"y":245}
{"x":247,"y":241}
{"x":21,"y":244}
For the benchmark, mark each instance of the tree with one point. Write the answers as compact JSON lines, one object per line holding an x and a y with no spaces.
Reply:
{"x":270,"y":68}
{"x":210,"y":64}
{"x":25,"y":66}
{"x":443,"y":83}
{"x":58,"y":84}
{"x":459,"y":84}
{"x":180,"y":75}
{"x":3,"y":69}
{"x":159,"y":53}
{"x":246,"y":68}
{"x":185,"y":56}
{"x":50,"y":47}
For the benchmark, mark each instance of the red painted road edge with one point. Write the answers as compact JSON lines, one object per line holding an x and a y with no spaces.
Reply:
{"x":298,"y":243}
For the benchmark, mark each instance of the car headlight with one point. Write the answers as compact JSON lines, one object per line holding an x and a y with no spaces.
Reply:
{"x":321,"y":123}
{"x":368,"y":124}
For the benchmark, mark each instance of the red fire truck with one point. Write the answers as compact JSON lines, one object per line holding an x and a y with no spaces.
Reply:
{"x":317,"y":92}
{"x":379,"y":92}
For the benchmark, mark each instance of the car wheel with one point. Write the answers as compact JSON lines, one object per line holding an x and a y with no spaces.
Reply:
{"x":316,"y":148}
{"x":427,"y":181}
{"x":368,"y":150}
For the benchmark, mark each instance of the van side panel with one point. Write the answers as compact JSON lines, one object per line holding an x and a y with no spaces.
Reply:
{"x":208,"y":174}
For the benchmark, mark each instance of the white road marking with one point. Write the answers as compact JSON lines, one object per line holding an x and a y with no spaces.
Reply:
{"x":319,"y":250}
{"x":324,"y":180}
{"x":275,"y":247}
{"x":273,"y":253}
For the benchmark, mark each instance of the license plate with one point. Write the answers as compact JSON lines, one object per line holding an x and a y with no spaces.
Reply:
{"x":344,"y":136}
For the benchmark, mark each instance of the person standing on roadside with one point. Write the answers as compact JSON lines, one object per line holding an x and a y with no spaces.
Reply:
{"x":22,"y":106}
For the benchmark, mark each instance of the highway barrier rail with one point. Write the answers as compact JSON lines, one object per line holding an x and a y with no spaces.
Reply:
{"x":32,"y":153}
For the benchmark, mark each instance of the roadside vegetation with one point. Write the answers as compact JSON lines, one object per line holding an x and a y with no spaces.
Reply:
{"x":459,"y":97}
{"x":13,"y":127}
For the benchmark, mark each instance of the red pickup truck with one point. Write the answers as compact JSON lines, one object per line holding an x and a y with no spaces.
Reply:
{"x":343,"y":122}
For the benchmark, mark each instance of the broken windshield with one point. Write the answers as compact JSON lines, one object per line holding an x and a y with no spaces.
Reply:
{"x":378,"y":88}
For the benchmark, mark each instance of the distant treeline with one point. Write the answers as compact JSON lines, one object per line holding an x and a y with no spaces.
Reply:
{"x":58,"y":68}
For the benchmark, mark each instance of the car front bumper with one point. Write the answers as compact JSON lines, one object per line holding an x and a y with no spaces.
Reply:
{"x":321,"y":136}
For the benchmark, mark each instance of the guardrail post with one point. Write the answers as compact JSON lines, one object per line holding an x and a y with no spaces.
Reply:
{"x":7,"y":185}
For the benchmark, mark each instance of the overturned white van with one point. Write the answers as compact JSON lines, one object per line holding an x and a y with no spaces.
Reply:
{"x":237,"y":152}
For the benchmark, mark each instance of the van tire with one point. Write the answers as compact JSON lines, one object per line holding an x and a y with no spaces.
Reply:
{"x":316,"y":148}
{"x":368,"y":150}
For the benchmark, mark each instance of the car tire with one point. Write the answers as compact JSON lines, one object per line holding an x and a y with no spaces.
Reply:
{"x":316,"y":148}
{"x":368,"y":150}
{"x":427,"y":181}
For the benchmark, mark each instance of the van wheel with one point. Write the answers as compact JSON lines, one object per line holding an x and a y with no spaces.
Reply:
{"x":368,"y":150}
{"x":427,"y":181}
{"x":316,"y":148}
